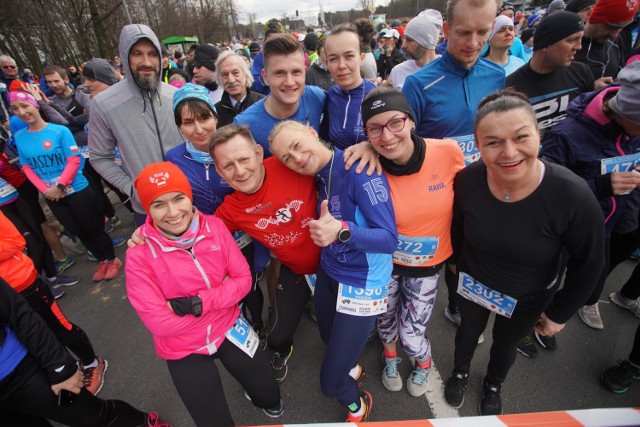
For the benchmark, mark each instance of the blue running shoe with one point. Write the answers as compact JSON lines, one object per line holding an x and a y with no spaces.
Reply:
{"x":118,"y":241}
{"x":59,"y":280}
{"x":64,"y":264}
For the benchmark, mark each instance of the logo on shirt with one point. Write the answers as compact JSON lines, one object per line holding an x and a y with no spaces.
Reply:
{"x":437,"y":187}
{"x":47,"y":144}
{"x":74,"y":149}
{"x":283,"y":214}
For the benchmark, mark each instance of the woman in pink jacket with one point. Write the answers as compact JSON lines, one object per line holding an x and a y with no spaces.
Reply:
{"x":185,"y":282}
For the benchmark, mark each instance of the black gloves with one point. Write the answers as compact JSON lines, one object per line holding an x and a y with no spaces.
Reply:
{"x":186,"y":305}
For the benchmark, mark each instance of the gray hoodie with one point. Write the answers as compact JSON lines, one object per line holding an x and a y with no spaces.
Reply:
{"x":140,"y":124}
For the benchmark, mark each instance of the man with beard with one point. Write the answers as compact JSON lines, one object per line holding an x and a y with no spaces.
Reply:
{"x":134,"y":115}
{"x":204,"y":70}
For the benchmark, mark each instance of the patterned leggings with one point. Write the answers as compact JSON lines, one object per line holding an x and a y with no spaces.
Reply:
{"x":410,"y":303}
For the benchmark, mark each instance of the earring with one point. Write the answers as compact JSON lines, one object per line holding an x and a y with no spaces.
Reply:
{"x":540,"y":148}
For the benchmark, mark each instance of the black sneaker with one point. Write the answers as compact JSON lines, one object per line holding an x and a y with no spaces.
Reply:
{"x":279,"y":364}
{"x":527,"y":348}
{"x":455,"y":388}
{"x":618,"y":378}
{"x":548,"y":343}
{"x":276,"y":411}
{"x":491,"y":404}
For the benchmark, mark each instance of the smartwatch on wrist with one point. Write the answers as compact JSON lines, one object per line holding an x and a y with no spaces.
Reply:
{"x":60,"y":186}
{"x":345,"y":233}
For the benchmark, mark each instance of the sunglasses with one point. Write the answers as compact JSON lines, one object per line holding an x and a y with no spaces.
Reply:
{"x":10,"y":66}
{"x":203,"y":64}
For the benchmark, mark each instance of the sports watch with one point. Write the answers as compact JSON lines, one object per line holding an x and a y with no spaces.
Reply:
{"x":345,"y":233}
{"x":60,"y":186}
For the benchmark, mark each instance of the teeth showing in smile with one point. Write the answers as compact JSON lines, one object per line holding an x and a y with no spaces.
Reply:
{"x":176,"y":221}
{"x":508,"y":165}
{"x":390,"y":147}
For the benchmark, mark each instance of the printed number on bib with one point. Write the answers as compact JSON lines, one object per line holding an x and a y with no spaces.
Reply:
{"x":243,"y":336}
{"x":619,"y":164}
{"x":311,"y":281}
{"x":467,"y":144}
{"x":415,"y":250}
{"x":475,"y":291}
{"x":360,"y":301}
{"x":242,"y":239}
{"x":6,"y":189}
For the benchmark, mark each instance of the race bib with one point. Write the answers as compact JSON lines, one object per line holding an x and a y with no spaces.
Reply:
{"x":311,"y":281}
{"x":361,"y":301}
{"x":6,"y":189}
{"x":242,"y":239}
{"x":84,"y":151}
{"x":475,"y":291}
{"x":52,"y":183}
{"x":243,"y":336}
{"x":415,"y":251}
{"x":620,"y":163}
{"x":467,"y":144}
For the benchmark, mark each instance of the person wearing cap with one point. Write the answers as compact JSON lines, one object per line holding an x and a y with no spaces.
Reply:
{"x":551,"y":79}
{"x":534,"y":20}
{"x":555,"y":6}
{"x":234,"y":75}
{"x":99,"y":75}
{"x":390,"y":55}
{"x":508,"y":10}
{"x":254,"y":49}
{"x":500,"y":40}
{"x":601,"y":128}
{"x":133,"y":115}
{"x":311,"y":48}
{"x":356,"y":230}
{"x":527,"y":42}
{"x":602,"y":50}
{"x":204,"y":70}
{"x":513,"y":217}
{"x":421,"y":36}
{"x":194,"y":317}
{"x":584,"y":8}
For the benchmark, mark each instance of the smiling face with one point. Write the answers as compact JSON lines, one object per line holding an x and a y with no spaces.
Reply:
{"x":26,"y":112}
{"x":285,"y":74}
{"x":198,"y":126}
{"x":299,"y":148}
{"x":395,"y":145}
{"x":239,"y":162}
{"x":144,"y":61}
{"x":344,"y":59}
{"x":469,"y":31}
{"x":172,"y":212}
{"x":509,"y":143}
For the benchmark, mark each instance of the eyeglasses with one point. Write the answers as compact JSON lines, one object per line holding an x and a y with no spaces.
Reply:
{"x":10,"y":66}
{"x":393,"y":126}
{"x":202,"y":64}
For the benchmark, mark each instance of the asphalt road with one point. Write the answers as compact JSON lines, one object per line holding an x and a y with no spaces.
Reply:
{"x":564,"y":379}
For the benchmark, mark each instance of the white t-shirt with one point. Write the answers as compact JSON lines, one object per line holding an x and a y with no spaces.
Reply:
{"x":400,"y":72}
{"x":369,"y":67}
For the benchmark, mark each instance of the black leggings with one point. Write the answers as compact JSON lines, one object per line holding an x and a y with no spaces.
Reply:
{"x":292,"y":294}
{"x":254,"y":300}
{"x":26,"y":399}
{"x":81,"y":214}
{"x":22,"y":216}
{"x":506,"y":333}
{"x":197,"y":380}
{"x":41,"y":300}
{"x":95,"y":181}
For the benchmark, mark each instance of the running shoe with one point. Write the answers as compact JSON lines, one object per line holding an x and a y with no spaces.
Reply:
{"x":527,"y":348}
{"x":101,"y":271}
{"x":366,"y":402}
{"x":618,"y":378}
{"x":633,"y":305}
{"x":60,"y":280}
{"x":590,"y":315}
{"x":276,"y":411}
{"x":417,"y":381}
{"x":154,"y":420}
{"x":113,"y":268}
{"x":94,"y":377}
{"x":279,"y":364}
{"x":635,"y":256}
{"x":118,"y":241}
{"x":56,"y":292}
{"x":62,"y":265}
{"x":455,"y":388}
{"x":111,"y":224}
{"x":548,"y":343}
{"x":390,"y":376}
{"x":491,"y":403}
{"x":91,"y":256}
{"x":456,"y":319}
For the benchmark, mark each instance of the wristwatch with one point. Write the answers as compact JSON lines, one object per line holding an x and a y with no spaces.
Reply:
{"x":60,"y":186}
{"x":345,"y":233}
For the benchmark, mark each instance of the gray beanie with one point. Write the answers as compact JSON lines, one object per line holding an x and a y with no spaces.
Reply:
{"x":425,"y":28}
{"x":627,"y":101}
{"x":556,"y":6}
{"x":100,"y":69}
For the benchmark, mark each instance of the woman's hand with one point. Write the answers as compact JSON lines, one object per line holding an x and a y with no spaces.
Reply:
{"x":72,"y":384}
{"x":136,"y":239}
{"x":624,"y":182}
{"x":324,"y":230}
{"x":367,"y":156}
{"x":548,"y":327}
{"x":54,"y":194}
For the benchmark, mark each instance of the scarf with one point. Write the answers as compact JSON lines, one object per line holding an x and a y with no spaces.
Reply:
{"x":197,"y":155}
{"x":415,"y":162}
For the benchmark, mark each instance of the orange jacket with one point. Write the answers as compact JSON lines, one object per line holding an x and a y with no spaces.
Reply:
{"x":15,"y":266}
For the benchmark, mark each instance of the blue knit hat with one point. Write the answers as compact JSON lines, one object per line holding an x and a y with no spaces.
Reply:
{"x":191,"y":91}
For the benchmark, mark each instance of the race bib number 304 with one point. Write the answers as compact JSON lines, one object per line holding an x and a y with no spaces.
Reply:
{"x":361,"y":301}
{"x":475,"y":291}
{"x":243,"y":336}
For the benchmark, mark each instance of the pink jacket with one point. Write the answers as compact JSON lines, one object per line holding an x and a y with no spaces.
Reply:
{"x":157,"y":272}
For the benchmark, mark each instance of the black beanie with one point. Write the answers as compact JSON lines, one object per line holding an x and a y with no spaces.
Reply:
{"x":526,"y":35}
{"x":577,"y":5}
{"x":556,"y":27}
{"x":311,"y":42}
{"x":206,"y":55}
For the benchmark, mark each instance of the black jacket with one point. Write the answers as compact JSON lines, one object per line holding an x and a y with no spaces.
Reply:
{"x":226,"y":112}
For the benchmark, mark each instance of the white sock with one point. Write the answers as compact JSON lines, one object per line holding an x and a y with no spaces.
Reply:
{"x":92,"y":364}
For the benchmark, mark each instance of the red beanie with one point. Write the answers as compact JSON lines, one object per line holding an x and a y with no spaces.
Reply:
{"x":16,"y":85}
{"x":160,"y":178}
{"x":614,"y":12}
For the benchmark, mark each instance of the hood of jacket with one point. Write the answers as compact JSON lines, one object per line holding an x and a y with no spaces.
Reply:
{"x":130,"y":35}
{"x":587,"y":109}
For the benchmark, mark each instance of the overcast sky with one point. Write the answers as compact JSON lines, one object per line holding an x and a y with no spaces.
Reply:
{"x":267,"y":9}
